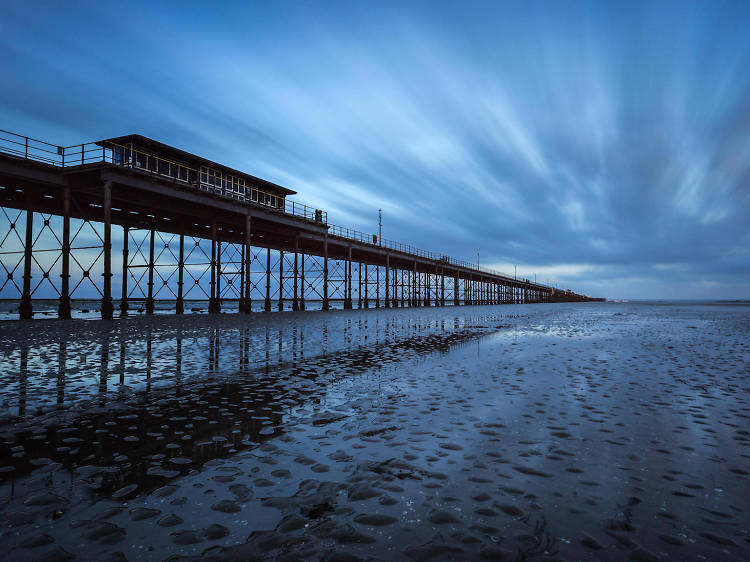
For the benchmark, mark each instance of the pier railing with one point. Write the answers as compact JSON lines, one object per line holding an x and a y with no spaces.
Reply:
{"x":372,"y":240}
{"x":77,"y":155}
{"x":29,"y":148}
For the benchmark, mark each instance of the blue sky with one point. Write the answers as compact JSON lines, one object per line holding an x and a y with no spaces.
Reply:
{"x":604,"y":146}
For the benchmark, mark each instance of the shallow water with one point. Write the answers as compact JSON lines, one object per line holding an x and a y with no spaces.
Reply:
{"x":567,"y":431}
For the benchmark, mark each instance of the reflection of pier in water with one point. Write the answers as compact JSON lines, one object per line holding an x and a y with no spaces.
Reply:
{"x":139,"y":419}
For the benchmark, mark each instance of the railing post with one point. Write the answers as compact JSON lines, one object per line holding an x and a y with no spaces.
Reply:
{"x":107,"y":308}
{"x":26,"y":153}
{"x":63,"y":309}
{"x":82,"y":155}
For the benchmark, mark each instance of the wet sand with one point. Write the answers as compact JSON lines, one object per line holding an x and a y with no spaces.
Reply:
{"x":568,"y":431}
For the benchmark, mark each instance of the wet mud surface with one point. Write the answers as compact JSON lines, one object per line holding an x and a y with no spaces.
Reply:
{"x":570,"y":432}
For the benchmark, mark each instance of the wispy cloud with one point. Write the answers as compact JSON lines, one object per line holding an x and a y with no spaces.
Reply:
{"x":600,"y":144}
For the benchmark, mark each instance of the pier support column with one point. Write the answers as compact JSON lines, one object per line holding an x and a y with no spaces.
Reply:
{"x":366,"y":283}
{"x":387,"y":281}
{"x":414,"y":299}
{"x":267,"y":303}
{"x":295,"y":298}
{"x":395,"y":298}
{"x":348,"y":283}
{"x":442,"y":286}
{"x":377,"y":286}
{"x":63,"y":309}
{"x":218,"y":275}
{"x":107,"y":308}
{"x":25,"y":311}
{"x":150,"y":295}
{"x":427,"y":289}
{"x":125,"y":258}
{"x":281,"y":280}
{"x":359,"y":285}
{"x":248,"y":304}
{"x":325,"y":272}
{"x":402,"y":300}
{"x":213,"y":301}
{"x":180,"y":304}
{"x":456,"y":290}
{"x":302,"y":283}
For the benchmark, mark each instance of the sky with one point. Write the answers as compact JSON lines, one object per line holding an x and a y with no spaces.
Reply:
{"x":603,"y":147}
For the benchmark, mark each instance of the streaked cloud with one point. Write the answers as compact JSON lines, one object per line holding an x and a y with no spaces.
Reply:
{"x":604,"y":145}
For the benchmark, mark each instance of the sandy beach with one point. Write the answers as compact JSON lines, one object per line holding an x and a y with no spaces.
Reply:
{"x":609,"y":431}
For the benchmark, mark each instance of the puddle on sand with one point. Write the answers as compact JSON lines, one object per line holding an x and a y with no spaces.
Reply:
{"x":427,"y":440}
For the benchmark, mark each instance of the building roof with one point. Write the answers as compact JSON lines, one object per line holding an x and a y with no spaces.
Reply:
{"x":189,"y":158}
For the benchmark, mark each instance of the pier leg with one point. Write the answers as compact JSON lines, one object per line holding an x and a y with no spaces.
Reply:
{"x":180,"y":304}
{"x":427,"y":289}
{"x":387,"y":281}
{"x":456,"y":293}
{"x":348,"y":285}
{"x":302,"y":283}
{"x":325,"y":272}
{"x":295,"y":300}
{"x":281,"y":280}
{"x":267,"y":303}
{"x":25,"y":311}
{"x":213,"y":301}
{"x":442,"y":287}
{"x":359,"y":292}
{"x":150,"y":297}
{"x":366,"y":283}
{"x":394,"y":298}
{"x":414,"y":296}
{"x":107,"y":308}
{"x":63,"y":309}
{"x":377,"y":286}
{"x":218,"y":275}
{"x":241,"y":300}
{"x":248,"y":304}
{"x":125,"y":258}
{"x":405,"y":288}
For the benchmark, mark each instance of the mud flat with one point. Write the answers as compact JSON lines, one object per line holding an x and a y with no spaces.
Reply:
{"x":560,"y":432}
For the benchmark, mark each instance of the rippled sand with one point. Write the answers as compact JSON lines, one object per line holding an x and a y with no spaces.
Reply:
{"x":570,"y":431}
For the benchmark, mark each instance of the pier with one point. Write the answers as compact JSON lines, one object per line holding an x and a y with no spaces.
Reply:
{"x":194,"y":229}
